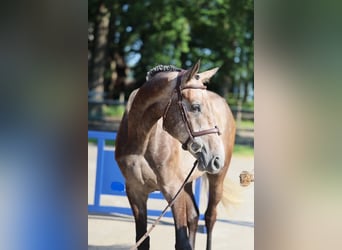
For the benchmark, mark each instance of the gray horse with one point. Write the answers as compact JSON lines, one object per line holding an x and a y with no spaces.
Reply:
{"x":170,"y":122}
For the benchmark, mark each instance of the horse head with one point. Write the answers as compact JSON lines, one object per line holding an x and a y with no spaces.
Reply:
{"x":189,"y":118}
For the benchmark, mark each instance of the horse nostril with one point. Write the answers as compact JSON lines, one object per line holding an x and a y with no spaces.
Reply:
{"x":216,"y":163}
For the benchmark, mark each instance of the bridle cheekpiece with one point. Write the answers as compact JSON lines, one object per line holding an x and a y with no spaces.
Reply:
{"x":192,"y":134}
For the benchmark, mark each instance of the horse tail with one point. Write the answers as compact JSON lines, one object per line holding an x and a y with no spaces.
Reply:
{"x":231,"y":195}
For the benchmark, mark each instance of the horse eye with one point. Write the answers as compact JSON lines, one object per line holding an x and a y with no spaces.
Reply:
{"x":196,"y":108}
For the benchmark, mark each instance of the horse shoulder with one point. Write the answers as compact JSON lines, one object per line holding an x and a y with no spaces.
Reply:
{"x":161,"y":146}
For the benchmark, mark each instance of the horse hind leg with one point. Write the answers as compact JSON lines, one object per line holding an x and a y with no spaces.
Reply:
{"x":192,"y":213}
{"x":138,"y":201}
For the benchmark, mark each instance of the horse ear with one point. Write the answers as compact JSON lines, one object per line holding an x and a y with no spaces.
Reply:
{"x":206,"y":75}
{"x":192,"y":71}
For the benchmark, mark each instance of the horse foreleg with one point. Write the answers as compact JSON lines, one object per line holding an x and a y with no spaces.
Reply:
{"x":179,"y":216}
{"x":192,"y":213}
{"x":138,"y":202}
{"x":215,"y":195}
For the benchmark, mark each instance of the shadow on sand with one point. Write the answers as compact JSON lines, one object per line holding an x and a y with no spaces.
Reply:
{"x":113,"y":247}
{"x":127,"y":218}
{"x":130,"y":219}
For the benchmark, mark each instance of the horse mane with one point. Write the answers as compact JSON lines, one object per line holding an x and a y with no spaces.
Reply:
{"x":161,"y":68}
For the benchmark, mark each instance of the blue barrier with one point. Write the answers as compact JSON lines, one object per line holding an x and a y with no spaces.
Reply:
{"x":110,"y":181}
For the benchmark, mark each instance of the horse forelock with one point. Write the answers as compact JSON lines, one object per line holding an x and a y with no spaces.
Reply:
{"x":161,"y":68}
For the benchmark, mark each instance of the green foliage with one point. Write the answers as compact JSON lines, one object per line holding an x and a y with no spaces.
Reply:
{"x":233,"y":102}
{"x":151,"y":32}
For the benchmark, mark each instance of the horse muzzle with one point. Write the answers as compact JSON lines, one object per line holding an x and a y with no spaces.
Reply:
{"x":215,"y":165}
{"x":207,"y":162}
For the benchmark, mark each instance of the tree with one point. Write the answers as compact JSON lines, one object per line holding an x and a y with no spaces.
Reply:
{"x":97,"y":62}
{"x":142,"y":34}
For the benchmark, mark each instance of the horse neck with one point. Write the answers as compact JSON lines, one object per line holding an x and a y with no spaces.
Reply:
{"x":147,"y":108}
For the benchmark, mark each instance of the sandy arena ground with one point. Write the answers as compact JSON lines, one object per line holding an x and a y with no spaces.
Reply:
{"x":234,"y":229}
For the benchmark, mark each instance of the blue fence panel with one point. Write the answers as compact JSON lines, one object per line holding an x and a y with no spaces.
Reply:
{"x":110,"y":181}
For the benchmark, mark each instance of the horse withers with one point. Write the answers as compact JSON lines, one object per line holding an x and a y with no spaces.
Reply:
{"x":170,"y":122}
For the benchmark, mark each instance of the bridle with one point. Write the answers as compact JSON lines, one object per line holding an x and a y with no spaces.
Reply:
{"x":192,"y":134}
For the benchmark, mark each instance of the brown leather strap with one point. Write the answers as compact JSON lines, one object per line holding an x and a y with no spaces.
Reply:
{"x":206,"y":131}
{"x":192,"y":134}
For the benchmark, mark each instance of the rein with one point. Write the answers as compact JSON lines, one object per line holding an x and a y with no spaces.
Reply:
{"x":192,"y":134}
{"x":165,"y":210}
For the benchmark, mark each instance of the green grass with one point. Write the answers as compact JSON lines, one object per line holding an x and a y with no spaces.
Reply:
{"x":242,"y":150}
{"x":246,"y":124}
{"x":117,"y":110}
{"x":108,"y":143}
{"x":92,"y":141}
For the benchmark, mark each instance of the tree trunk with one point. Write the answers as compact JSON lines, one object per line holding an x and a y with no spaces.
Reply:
{"x":99,"y":61}
{"x":111,"y":75}
{"x":245,"y":93}
{"x":121,"y":69}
